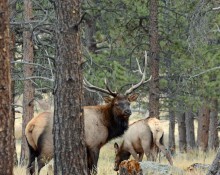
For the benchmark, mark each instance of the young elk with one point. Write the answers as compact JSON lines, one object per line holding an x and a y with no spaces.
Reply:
{"x":139,"y":139}
{"x":102,"y":123}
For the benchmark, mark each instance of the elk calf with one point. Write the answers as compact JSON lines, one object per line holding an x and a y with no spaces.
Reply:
{"x":139,"y":139}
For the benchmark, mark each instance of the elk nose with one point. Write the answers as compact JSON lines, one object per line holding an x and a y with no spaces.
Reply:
{"x":115,"y":169}
{"x":127,"y":112}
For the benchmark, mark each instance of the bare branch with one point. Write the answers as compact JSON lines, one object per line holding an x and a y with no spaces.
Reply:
{"x":216,"y":8}
{"x":34,"y":77}
{"x":201,"y":73}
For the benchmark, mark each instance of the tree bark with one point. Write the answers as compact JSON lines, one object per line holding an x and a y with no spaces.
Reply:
{"x":154,"y":92}
{"x":203,"y":127}
{"x":172,"y":145}
{"x":90,"y":31}
{"x":213,"y":142}
{"x":182,"y":131}
{"x":190,"y":134}
{"x":6,"y":118}
{"x":215,"y":167}
{"x":28,"y":95}
{"x":12,"y":10}
{"x":70,"y":150}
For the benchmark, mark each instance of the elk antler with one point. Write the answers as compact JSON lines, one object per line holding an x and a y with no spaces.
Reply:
{"x":143,"y":76}
{"x":92,"y":87}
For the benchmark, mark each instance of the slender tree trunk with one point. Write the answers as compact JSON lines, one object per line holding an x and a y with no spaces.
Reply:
{"x":90,"y":31}
{"x":172,"y":145}
{"x":90,"y":98}
{"x":215,"y":167}
{"x":12,"y":56}
{"x":6,"y":118}
{"x":203,"y":127}
{"x":70,"y":150}
{"x":213,"y":142}
{"x":154,"y":92}
{"x":28,"y":95}
{"x":12,"y":45}
{"x":190,"y":134}
{"x":182,"y":131}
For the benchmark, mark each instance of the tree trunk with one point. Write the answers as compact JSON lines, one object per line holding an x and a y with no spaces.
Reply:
{"x":213,"y":142}
{"x":28,"y":95}
{"x":90,"y":98}
{"x":215,"y":167}
{"x":90,"y":31}
{"x":12,"y":92}
{"x":6,"y":118}
{"x":190,"y":134}
{"x":172,"y":145}
{"x":70,"y":150}
{"x":203,"y":127}
{"x":182,"y":131}
{"x":154,"y":92}
{"x":12,"y":10}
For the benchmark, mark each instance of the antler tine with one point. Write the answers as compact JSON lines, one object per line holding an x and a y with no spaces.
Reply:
{"x":114,"y":94}
{"x":88,"y":85}
{"x":143,"y":76}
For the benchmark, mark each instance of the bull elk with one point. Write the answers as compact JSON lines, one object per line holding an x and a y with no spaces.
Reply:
{"x":139,"y":139}
{"x":102,"y":123}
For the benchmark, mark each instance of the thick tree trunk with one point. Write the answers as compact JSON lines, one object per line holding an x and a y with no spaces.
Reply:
{"x":172,"y":145}
{"x":190,"y":134}
{"x":203,"y":127}
{"x":28,"y":95}
{"x":70,"y":150}
{"x":182,"y":131}
{"x":6,"y":118}
{"x":213,"y":142}
{"x":215,"y":167}
{"x":154,"y":92}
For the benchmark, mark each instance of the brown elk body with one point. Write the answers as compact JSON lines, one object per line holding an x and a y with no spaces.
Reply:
{"x":102,"y":123}
{"x":139,"y":139}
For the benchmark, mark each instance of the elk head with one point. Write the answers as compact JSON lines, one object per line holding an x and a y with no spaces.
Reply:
{"x":120,"y":103}
{"x":120,"y":155}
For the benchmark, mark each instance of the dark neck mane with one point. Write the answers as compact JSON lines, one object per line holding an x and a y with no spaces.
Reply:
{"x":116,"y":125}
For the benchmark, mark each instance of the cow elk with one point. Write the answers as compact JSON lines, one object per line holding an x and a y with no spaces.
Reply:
{"x":102,"y":123}
{"x":139,"y":139}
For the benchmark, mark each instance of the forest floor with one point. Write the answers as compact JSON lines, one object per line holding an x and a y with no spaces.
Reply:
{"x":106,"y":159}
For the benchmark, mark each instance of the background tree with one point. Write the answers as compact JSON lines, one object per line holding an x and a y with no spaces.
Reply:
{"x":28,"y":93}
{"x":70,"y":151}
{"x":6,"y":119}
{"x":154,"y":91}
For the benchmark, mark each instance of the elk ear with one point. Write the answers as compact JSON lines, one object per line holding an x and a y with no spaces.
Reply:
{"x":107,"y":99}
{"x":133,"y":97}
{"x":116,"y":147}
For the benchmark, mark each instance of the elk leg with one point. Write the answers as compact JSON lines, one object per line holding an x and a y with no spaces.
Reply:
{"x":141,"y":155}
{"x":31,"y":164}
{"x":40,"y":163}
{"x":166,"y":153}
{"x":95,"y":157}
{"x":146,"y":147}
{"x":133,"y":153}
{"x":93,"y":160}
